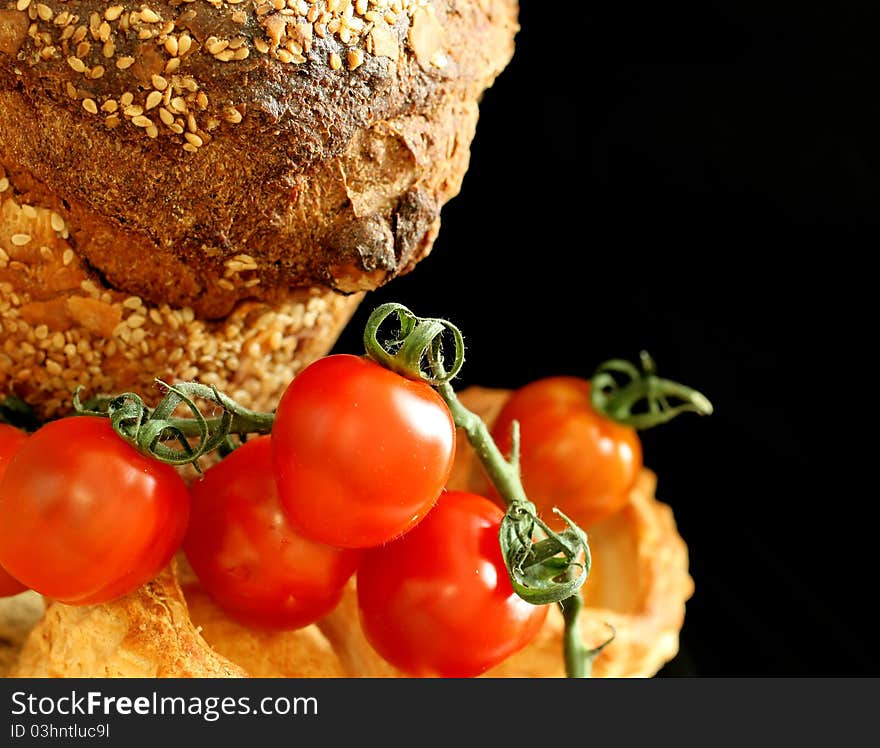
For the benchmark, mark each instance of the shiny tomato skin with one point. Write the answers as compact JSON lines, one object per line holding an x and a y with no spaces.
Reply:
{"x":571,"y":456}
{"x":10,"y":441}
{"x":360,"y":453}
{"x":248,"y":557}
{"x":84,"y":517}
{"x":438,"y":601}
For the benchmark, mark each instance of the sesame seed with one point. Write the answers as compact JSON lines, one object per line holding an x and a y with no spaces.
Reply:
{"x":214,"y":45}
{"x":152,"y":131}
{"x":141,"y":121}
{"x":154,"y":98}
{"x":123,"y":63}
{"x":191,"y":137}
{"x":166,"y":116}
{"x":126,"y":99}
{"x":109,"y":49}
{"x":71,"y":89}
{"x":172,"y":65}
{"x":22,"y":4}
{"x":335,"y":61}
{"x":4,"y":184}
{"x":77,"y":64}
{"x":90,"y":106}
{"x":183,"y":44}
{"x":225,"y":55}
{"x":189,"y":148}
{"x":233,"y":115}
{"x":44,"y":12}
{"x":57,"y":222}
{"x":159,"y":83}
{"x":109,"y":106}
{"x":46,"y":253}
{"x":67,"y":257}
{"x":113,"y":12}
{"x":355,"y":59}
{"x":133,"y":110}
{"x":149,"y":16}
{"x":171,"y":46}
{"x":19,"y":240}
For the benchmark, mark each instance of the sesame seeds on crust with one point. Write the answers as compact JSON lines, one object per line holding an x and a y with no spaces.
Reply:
{"x":133,"y":62}
{"x":60,"y":328}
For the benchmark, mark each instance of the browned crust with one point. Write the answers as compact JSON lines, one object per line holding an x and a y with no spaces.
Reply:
{"x":147,"y":634}
{"x":331,"y":177}
{"x":303,"y":653}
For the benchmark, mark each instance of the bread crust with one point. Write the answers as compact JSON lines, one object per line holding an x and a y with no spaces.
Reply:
{"x":322,"y":176}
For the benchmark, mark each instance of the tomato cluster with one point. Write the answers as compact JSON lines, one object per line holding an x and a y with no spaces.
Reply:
{"x":351,"y":478}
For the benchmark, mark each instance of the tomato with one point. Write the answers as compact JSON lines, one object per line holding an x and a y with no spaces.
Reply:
{"x":360,"y":453}
{"x":86,"y":518}
{"x":10,"y":441}
{"x":571,"y":456}
{"x":247,"y":556}
{"x":438,"y":601}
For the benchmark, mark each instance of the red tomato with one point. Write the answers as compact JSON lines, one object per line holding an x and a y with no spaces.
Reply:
{"x":86,"y":518}
{"x":571,"y":456}
{"x":10,"y":441}
{"x":247,"y":556}
{"x":438,"y":601}
{"x":360,"y":453}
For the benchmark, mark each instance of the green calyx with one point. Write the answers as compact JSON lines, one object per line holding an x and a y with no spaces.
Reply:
{"x":642,"y":400}
{"x":153,"y":431}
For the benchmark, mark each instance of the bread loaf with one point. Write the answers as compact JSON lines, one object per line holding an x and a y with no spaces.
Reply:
{"x":203,"y":189}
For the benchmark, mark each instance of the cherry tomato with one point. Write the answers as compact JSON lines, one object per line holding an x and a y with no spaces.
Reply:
{"x":86,"y":518}
{"x":438,"y":601}
{"x":360,"y":453}
{"x":247,"y":556}
{"x":571,"y":456}
{"x":10,"y":441}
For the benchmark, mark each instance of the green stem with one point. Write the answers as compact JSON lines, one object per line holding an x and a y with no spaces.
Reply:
{"x":578,"y":664}
{"x":578,"y":658}
{"x":243,"y":424}
{"x":503,"y":474}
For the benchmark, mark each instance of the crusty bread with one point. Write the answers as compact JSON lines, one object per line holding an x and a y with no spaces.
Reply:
{"x":147,"y":634}
{"x":211,"y":151}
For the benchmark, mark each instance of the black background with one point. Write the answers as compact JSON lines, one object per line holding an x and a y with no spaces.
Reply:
{"x":699,"y":179}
